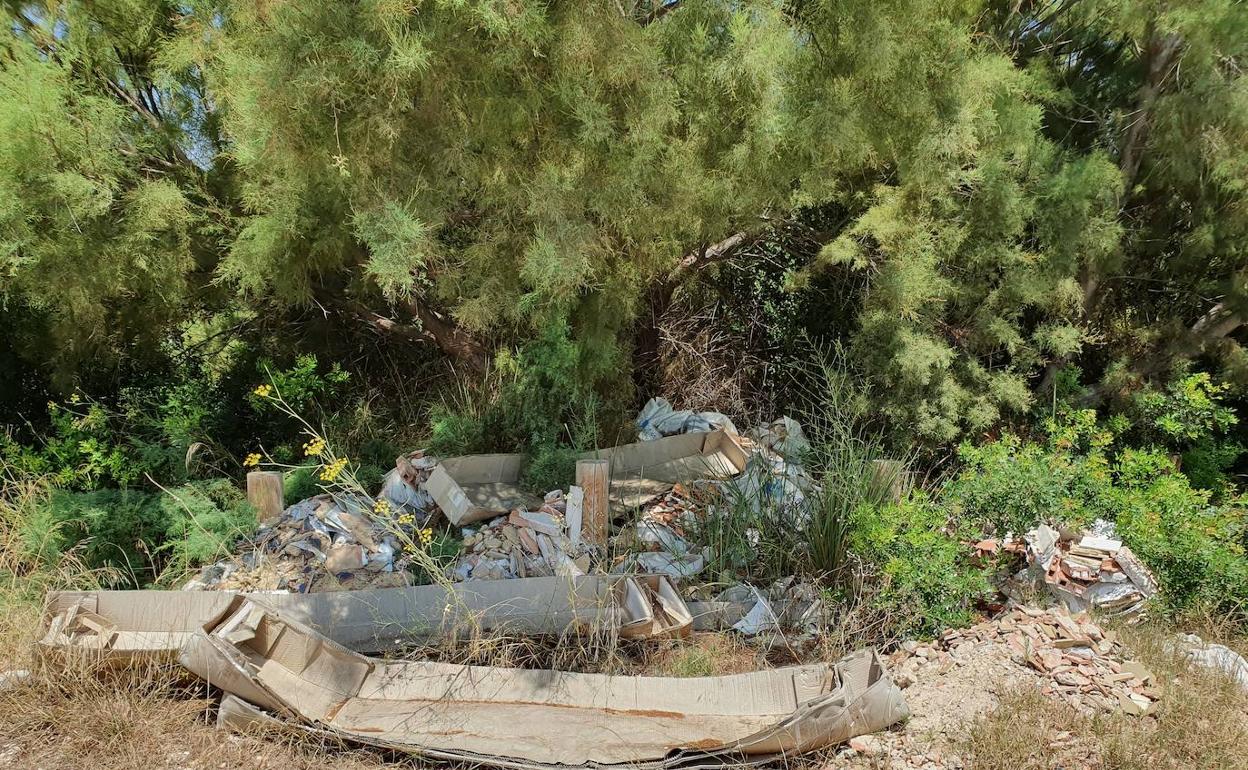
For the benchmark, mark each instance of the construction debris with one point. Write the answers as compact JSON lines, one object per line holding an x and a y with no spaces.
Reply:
{"x":656,"y":543}
{"x":324,"y":543}
{"x":519,"y":718}
{"x":1096,"y":572}
{"x":403,"y":488}
{"x":1215,"y":656}
{"x":1080,"y":662}
{"x":784,"y":436}
{"x":645,"y":470}
{"x":788,"y":606}
{"x":545,"y":541}
{"x":478,"y":487}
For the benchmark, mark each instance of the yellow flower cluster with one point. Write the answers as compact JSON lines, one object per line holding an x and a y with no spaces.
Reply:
{"x":314,"y":447}
{"x":426,"y":537}
{"x":407,"y":519}
{"x":252,"y":460}
{"x":382,"y":506}
{"x":263,"y":391}
{"x":331,"y":471}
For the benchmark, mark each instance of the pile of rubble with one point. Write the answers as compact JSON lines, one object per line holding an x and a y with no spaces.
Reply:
{"x":522,"y":544}
{"x":657,"y":543}
{"x":324,"y":543}
{"x":403,"y":488}
{"x":1096,"y":572}
{"x":1076,"y":660}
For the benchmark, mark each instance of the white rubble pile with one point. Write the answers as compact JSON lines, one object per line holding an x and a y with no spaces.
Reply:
{"x":656,"y":543}
{"x":658,"y":419}
{"x":774,"y":481}
{"x":323,"y":543}
{"x":788,"y":606}
{"x":404,"y":486}
{"x":1097,"y":572}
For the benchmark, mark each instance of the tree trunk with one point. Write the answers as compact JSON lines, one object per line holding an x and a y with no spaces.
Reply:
{"x":659,"y":298}
{"x":434,"y":328}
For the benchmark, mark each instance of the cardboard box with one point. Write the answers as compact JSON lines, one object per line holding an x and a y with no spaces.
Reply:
{"x":647,"y":469}
{"x":478,"y":487}
{"x":535,"y":718}
{"x":123,"y":625}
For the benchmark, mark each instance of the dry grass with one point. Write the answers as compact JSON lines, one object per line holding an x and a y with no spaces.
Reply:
{"x":1201,"y":722}
{"x":76,"y":714}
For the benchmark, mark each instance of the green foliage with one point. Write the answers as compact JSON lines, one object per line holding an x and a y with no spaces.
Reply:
{"x":202,"y":521}
{"x":1197,"y":549}
{"x":842,"y":458}
{"x":1188,"y":410}
{"x":86,"y":447}
{"x":922,"y":578}
{"x":299,"y":484}
{"x":1010,"y":486}
{"x":110,"y":528}
{"x":539,"y":401}
{"x":138,"y":534}
{"x":101,"y":208}
{"x":302,"y":383}
{"x":1195,"y":546}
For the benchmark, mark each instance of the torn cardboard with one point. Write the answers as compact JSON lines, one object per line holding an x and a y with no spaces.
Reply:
{"x":647,"y":469}
{"x":479,"y":487}
{"x":536,"y":719}
{"x":155,"y":625}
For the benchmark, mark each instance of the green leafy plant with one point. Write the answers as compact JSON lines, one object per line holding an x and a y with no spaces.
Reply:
{"x":923,"y":579}
{"x":1196,"y":547}
{"x":202,"y":521}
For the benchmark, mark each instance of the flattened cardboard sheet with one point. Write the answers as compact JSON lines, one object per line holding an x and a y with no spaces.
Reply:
{"x":538,"y":719}
{"x":157,"y":624}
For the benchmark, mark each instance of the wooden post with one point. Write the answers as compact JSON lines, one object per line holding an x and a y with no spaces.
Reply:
{"x":264,"y":492}
{"x":594,"y":476}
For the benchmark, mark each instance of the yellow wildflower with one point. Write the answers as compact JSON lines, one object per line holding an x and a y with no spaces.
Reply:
{"x":426,"y":537}
{"x":331,"y":471}
{"x":314,"y":447}
{"x":382,"y":505}
{"x":263,"y":391}
{"x":252,"y":460}
{"x":75,"y":398}
{"x":407,"y":518}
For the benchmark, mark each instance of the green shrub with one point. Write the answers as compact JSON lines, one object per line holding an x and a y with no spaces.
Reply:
{"x":1188,"y":418}
{"x":136,"y":535}
{"x":536,"y":401}
{"x":118,"y":528}
{"x":1196,"y":548}
{"x":1010,"y":486}
{"x":1194,"y":544}
{"x":202,"y":522}
{"x":299,"y":484}
{"x":549,"y":466}
{"x":924,"y":581}
{"x":302,"y":383}
{"x":455,"y":433}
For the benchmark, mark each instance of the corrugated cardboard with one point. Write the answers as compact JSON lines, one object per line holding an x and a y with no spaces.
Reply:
{"x":157,"y":624}
{"x":646,"y":469}
{"x":479,"y":487}
{"x":538,"y":719}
